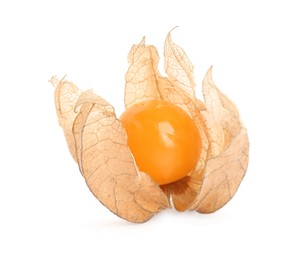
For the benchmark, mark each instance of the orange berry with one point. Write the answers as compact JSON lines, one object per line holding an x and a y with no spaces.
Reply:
{"x":163,"y":139}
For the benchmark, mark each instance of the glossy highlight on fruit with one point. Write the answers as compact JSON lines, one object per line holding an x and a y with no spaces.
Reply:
{"x":163,"y":140}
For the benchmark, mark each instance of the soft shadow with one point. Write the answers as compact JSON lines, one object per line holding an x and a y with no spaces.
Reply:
{"x":164,"y":218}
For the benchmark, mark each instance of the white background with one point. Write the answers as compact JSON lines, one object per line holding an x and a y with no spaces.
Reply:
{"x":47,"y":212}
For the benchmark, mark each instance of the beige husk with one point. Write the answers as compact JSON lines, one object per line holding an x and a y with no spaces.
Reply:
{"x":98,"y":142}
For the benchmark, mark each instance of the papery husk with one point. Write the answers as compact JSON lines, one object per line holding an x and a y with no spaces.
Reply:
{"x":223,"y":175}
{"x":66,"y":95}
{"x":228,"y":153}
{"x":98,"y":143}
{"x":178,"y":67}
{"x":212,"y":186}
{"x":142,"y":75}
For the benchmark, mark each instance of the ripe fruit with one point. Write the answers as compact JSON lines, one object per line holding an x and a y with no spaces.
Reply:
{"x":163,"y":140}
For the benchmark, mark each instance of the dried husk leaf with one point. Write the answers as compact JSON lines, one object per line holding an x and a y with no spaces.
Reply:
{"x":66,"y":95}
{"x":223,"y":175}
{"x":229,"y":148}
{"x":178,"y":67}
{"x":222,"y":116}
{"x":107,"y":164}
{"x":143,"y":80}
{"x":98,"y":142}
